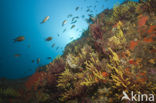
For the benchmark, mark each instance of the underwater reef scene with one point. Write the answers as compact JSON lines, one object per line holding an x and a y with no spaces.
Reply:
{"x":116,"y":53}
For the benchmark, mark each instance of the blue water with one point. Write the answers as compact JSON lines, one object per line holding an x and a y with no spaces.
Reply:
{"x":23,"y":17}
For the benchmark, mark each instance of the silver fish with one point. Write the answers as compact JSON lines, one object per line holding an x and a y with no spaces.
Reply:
{"x":70,"y":15}
{"x":49,"y":58}
{"x":33,"y":61}
{"x":53,"y":45}
{"x":64,"y":30}
{"x":38,"y":60}
{"x":64,"y":22}
{"x":77,"y":8}
{"x":46,"y":18}
{"x":73,"y":26}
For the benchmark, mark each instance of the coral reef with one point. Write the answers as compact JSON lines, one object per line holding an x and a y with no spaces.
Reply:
{"x":117,"y":53}
{"x":10,"y":93}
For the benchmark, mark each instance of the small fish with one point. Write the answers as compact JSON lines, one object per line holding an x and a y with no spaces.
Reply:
{"x":70,"y":15}
{"x":90,"y":20}
{"x":57,"y":48}
{"x":58,"y":34}
{"x":90,"y":15}
{"x":53,"y":45}
{"x":73,"y":26}
{"x":17,"y":55}
{"x":64,"y":22}
{"x":77,"y":8}
{"x":83,"y":16}
{"x":49,"y":39}
{"x":64,"y":30}
{"x":94,"y":7}
{"x":46,"y":18}
{"x":88,"y":10}
{"x":49,"y":58}
{"x":19,"y":39}
{"x":73,"y":22}
{"x":33,"y":61}
{"x":91,"y":11}
{"x":38,"y":60}
{"x":90,"y":6}
{"x":76,"y":17}
{"x":73,"y":19}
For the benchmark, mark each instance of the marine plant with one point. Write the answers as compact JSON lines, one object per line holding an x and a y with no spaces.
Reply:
{"x":70,"y":80}
{"x":8,"y":92}
{"x":36,"y":80}
{"x":8,"y":95}
{"x":121,"y":64}
{"x":118,"y":40}
{"x":116,"y":54}
{"x":96,"y":30}
{"x":78,"y":60}
{"x":123,"y":12}
{"x":56,"y":66}
{"x":147,"y":6}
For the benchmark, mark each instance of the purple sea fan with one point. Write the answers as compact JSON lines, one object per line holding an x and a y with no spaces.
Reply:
{"x":57,"y":66}
{"x":96,"y":30}
{"x":54,"y":68}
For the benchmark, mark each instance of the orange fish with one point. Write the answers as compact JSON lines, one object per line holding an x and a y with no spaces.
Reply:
{"x":19,"y":39}
{"x":46,"y":18}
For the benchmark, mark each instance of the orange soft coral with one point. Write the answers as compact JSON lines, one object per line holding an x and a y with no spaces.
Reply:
{"x":142,"y":20}
{"x":133,"y":44}
{"x":148,"y":40}
{"x":152,"y":30}
{"x":105,"y":74}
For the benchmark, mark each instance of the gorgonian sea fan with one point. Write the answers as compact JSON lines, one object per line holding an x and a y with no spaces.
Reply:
{"x":35,"y":80}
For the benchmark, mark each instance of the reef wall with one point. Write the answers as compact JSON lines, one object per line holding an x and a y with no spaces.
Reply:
{"x":117,"y":53}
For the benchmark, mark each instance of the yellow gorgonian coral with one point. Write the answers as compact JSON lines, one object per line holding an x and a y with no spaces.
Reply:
{"x":118,"y":39}
{"x":64,"y":79}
